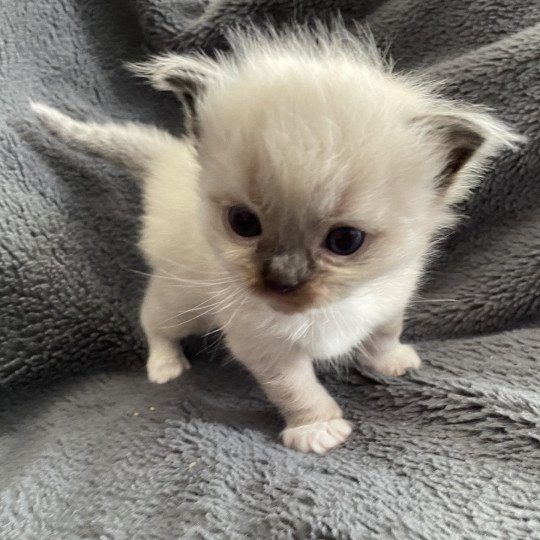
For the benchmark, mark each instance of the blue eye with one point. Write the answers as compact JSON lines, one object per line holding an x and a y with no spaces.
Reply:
{"x":244,"y":222}
{"x":344,"y":240}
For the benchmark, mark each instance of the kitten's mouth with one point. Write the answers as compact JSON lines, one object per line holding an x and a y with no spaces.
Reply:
{"x":287,"y":300}
{"x":283,"y":297}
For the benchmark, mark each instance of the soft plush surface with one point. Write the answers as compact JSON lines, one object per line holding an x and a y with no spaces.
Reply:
{"x":89,"y":449}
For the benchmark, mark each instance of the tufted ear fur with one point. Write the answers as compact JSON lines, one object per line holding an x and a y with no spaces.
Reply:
{"x":467,"y":139}
{"x":185,"y":76}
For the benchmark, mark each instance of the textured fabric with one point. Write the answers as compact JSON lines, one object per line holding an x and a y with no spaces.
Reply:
{"x":450,"y":451}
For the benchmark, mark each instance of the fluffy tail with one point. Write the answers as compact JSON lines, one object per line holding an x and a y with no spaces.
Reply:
{"x":130,"y":144}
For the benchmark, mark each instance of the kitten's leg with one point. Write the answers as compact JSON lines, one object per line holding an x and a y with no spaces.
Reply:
{"x":314,"y":421}
{"x":385,"y":353}
{"x":164,"y":326}
{"x":129,"y":144}
{"x":166,"y":360}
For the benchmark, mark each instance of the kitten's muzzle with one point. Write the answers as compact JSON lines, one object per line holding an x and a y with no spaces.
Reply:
{"x":286,"y":272}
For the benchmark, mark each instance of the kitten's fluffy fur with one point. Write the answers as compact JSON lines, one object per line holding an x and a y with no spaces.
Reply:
{"x":309,"y":133}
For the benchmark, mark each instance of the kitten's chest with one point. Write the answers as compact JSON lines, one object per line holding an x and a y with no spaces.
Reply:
{"x":330,"y":334}
{"x":322,"y":334}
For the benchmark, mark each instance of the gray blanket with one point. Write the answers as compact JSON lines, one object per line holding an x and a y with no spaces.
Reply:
{"x":89,"y":449}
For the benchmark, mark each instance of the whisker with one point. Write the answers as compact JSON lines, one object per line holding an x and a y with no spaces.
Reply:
{"x":187,"y":283}
{"x":221,"y":328}
{"x":140,"y":272}
{"x":223,"y":279}
{"x":169,"y":275}
{"x":215,"y":331}
{"x":202,"y":305}
{"x":208,"y":312}
{"x":235,"y":312}
{"x":195,"y":284}
{"x":190,"y":267}
{"x":215,"y":342}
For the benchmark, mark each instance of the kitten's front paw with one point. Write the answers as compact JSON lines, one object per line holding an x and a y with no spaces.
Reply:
{"x":397,"y":361}
{"x":162,"y":371}
{"x":318,"y":437}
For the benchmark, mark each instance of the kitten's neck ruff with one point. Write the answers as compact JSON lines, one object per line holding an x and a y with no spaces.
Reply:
{"x":322,"y":333}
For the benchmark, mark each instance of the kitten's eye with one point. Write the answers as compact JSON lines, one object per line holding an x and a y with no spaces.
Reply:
{"x":344,"y":240}
{"x":244,"y":222}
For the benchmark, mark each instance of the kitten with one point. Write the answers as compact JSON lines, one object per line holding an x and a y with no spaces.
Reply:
{"x":297,"y":214}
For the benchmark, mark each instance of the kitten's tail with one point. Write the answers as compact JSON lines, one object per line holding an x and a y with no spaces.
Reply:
{"x":130,"y":144}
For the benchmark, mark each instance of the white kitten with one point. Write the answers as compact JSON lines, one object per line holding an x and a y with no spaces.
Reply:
{"x":298,"y":213}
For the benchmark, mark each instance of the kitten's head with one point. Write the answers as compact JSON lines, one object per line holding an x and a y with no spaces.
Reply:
{"x":321,"y":170}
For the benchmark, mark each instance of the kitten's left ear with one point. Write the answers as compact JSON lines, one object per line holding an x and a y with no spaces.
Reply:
{"x":467,"y":140}
{"x":185,"y":76}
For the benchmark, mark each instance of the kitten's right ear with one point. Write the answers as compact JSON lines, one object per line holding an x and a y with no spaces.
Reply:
{"x":185,"y":76}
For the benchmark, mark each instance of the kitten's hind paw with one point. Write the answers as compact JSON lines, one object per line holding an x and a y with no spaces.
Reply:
{"x":319,"y":437}
{"x":165,"y":370}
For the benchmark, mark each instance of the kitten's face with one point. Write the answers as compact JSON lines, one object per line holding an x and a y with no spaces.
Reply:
{"x":304,"y":208}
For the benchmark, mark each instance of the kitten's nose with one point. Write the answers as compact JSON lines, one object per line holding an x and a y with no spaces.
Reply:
{"x":285,"y":272}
